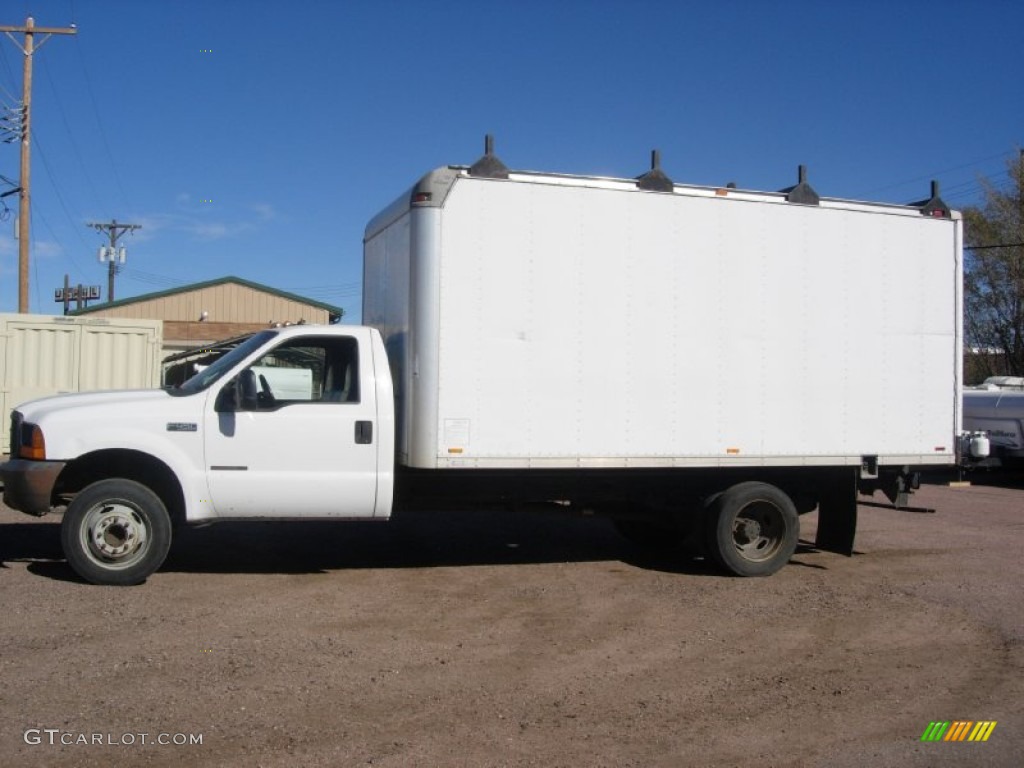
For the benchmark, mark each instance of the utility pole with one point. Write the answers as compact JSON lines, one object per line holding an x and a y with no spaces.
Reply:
{"x":112,"y":255}
{"x":30,"y":30}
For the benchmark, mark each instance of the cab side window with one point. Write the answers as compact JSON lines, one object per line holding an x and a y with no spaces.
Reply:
{"x":310,"y":369}
{"x":341,"y":377}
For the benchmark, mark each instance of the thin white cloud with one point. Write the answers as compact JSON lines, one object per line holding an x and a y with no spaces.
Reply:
{"x":47,"y":249}
{"x":44,"y":249}
{"x":196,"y":223}
{"x":265,"y":211}
{"x":213,"y":230}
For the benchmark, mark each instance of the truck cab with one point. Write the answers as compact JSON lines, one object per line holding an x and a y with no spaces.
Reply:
{"x":292,"y":422}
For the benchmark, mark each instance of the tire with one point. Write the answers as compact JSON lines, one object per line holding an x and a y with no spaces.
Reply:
{"x":752,"y":529}
{"x":116,"y":532}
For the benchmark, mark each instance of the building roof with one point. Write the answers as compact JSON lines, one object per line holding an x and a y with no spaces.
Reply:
{"x":330,"y":308}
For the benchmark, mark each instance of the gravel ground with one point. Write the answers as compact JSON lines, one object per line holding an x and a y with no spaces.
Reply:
{"x":490,"y":639}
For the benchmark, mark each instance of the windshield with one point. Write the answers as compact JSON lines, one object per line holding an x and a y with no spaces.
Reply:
{"x":211,"y":373}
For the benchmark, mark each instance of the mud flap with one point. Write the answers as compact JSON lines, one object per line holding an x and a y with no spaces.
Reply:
{"x":837,"y":514}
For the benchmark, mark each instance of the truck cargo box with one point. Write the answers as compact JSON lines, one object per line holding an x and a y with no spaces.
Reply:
{"x":543,"y":320}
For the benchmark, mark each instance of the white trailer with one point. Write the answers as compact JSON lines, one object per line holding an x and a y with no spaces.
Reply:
{"x":682,"y":359}
{"x":996,"y":410}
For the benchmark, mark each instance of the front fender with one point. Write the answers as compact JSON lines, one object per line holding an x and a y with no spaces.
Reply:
{"x":181,"y":452}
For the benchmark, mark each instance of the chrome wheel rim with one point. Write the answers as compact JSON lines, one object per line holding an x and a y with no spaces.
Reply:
{"x":758,"y":531}
{"x":115,"y":534}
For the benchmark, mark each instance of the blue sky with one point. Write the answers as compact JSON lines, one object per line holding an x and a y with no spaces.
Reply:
{"x":300,"y":120}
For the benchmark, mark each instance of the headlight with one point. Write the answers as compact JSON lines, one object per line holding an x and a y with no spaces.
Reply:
{"x":32,"y":445}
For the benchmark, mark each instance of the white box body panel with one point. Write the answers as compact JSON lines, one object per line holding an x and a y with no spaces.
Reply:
{"x":547,"y":321}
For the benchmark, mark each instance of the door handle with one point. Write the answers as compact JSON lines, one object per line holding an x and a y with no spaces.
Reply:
{"x":364,"y":432}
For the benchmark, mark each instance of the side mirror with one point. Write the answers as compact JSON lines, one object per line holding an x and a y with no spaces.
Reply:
{"x":227,"y":398}
{"x":248,"y":391}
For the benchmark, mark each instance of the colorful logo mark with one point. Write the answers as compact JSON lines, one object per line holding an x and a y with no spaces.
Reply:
{"x":959,"y":730}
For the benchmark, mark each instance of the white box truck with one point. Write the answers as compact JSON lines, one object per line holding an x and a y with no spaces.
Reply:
{"x":678,"y":358}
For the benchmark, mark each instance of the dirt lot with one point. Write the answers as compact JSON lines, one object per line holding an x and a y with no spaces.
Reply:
{"x":494,"y":640}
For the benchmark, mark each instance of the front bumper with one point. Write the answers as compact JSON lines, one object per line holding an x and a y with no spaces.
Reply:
{"x":28,"y":485}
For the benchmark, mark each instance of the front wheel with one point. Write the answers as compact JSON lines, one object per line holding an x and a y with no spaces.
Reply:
{"x":752,"y":529}
{"x":116,"y":532}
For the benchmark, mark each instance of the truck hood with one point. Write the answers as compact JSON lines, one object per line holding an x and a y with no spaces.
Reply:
{"x":119,"y":398}
{"x":75,"y":423}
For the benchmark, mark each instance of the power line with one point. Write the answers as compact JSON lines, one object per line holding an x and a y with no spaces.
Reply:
{"x":968,"y":193}
{"x":70,"y":134}
{"x":934,"y":174}
{"x":39,"y":296}
{"x":328,"y":291}
{"x":8,"y":94}
{"x":352,"y":284}
{"x":10,"y":75}
{"x":63,"y":205}
{"x":973,"y":185}
{"x":38,"y":214}
{"x":99,"y":123}
{"x":140,"y":276}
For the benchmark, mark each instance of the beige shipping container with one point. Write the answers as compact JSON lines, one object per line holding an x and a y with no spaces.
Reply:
{"x":43,"y":355}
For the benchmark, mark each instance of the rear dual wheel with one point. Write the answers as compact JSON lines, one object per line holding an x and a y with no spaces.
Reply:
{"x":752,"y":529}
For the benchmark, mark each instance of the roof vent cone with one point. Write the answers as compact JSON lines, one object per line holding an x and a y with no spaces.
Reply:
{"x":655,"y":179}
{"x":489,"y":166}
{"x":803,"y":193}
{"x":933,"y":206}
